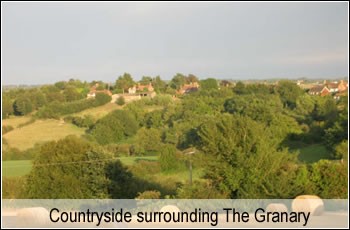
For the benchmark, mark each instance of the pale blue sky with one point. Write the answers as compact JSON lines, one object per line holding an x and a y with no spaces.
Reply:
{"x":49,"y":42}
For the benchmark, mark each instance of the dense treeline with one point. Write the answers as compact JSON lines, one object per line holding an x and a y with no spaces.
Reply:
{"x":57,"y":109}
{"x":245,"y":139}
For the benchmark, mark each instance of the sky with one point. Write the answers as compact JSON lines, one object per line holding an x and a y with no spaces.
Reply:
{"x":46,"y":42}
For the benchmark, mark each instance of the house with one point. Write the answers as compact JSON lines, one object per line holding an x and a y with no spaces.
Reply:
{"x":340,"y":94}
{"x":225,"y":83}
{"x":187,"y":88}
{"x":141,"y":88}
{"x":93,"y":91}
{"x":319,"y":90}
{"x":336,"y":86}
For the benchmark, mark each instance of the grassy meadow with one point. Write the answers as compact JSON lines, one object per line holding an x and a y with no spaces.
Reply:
{"x":39,"y":131}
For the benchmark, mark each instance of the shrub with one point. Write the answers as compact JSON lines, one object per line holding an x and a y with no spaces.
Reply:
{"x":150,"y":194}
{"x":168,"y":160}
{"x":120,"y":100}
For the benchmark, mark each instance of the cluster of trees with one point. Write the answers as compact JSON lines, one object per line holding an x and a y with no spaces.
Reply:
{"x":24,"y":101}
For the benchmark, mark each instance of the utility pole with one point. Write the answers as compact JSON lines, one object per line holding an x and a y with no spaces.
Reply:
{"x":190,"y":165}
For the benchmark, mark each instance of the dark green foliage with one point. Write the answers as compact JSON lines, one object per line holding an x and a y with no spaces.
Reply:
{"x":240,"y":88}
{"x":329,"y":180}
{"x":289,"y":92}
{"x":114,"y":127}
{"x":120,"y":100}
{"x":121,"y":182}
{"x":72,"y":168}
{"x":168,"y":160}
{"x":22,"y":106}
{"x":242,"y":158}
{"x":86,"y":121}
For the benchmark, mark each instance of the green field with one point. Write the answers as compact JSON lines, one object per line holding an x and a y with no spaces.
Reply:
{"x":40,"y":131}
{"x":313,"y":153}
{"x":22,"y":167}
{"x":16,"y":168}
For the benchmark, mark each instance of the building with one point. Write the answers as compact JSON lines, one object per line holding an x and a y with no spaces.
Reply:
{"x":93,"y":91}
{"x":187,"y":88}
{"x":141,"y":88}
{"x":319,"y":90}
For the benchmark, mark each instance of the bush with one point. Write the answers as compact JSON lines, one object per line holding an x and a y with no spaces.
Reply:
{"x":120,"y":100}
{"x":168,"y":160}
{"x":114,"y":127}
{"x":13,"y":188}
{"x":150,"y":194}
{"x":329,"y":179}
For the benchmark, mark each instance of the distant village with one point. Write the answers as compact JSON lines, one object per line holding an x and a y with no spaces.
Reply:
{"x":334,"y":88}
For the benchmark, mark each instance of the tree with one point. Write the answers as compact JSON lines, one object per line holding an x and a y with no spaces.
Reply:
{"x":7,"y":107}
{"x":341,"y":151}
{"x":177,"y":81}
{"x":22,"y":105}
{"x":120,"y":100}
{"x":145,"y":80}
{"x":114,"y":127}
{"x":71,"y":94}
{"x":69,"y":169}
{"x":240,"y":88}
{"x":191,"y":79}
{"x":209,"y":83}
{"x":329,"y":179}
{"x":289,"y":92}
{"x":159,"y":85}
{"x":147,"y":140}
{"x":242,"y":162}
{"x":124,"y":82}
{"x":168,"y":161}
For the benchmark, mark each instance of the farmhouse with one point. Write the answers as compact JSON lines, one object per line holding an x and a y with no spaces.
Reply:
{"x":141,"y":88}
{"x":128,"y":97}
{"x":187,"y":88}
{"x":319,"y":90}
{"x":93,"y":91}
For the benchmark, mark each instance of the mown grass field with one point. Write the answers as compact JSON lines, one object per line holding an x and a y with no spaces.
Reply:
{"x":40,"y":131}
{"x":98,"y":112}
{"x":16,"y":121}
{"x":22,"y":167}
{"x":16,"y":168}
{"x":313,"y":153}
